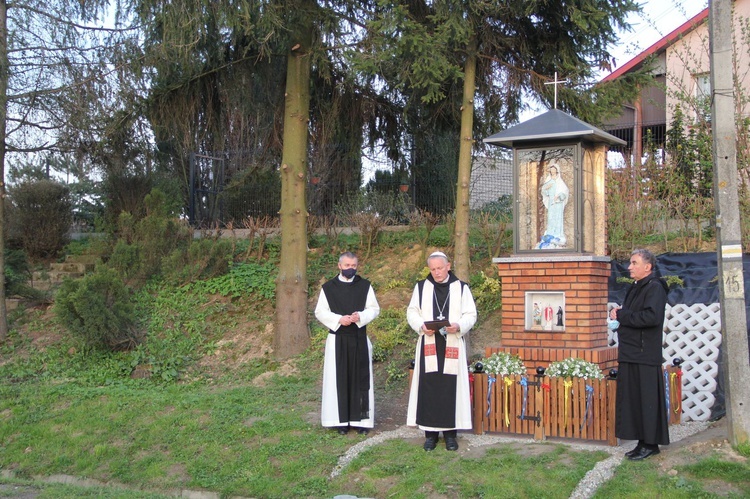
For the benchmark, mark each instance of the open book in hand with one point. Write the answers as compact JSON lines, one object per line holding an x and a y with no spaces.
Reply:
{"x":436,"y":325}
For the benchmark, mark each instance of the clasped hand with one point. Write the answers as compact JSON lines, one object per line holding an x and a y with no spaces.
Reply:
{"x":347,"y":320}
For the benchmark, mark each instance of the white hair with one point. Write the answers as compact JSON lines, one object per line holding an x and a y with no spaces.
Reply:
{"x":438,"y":254}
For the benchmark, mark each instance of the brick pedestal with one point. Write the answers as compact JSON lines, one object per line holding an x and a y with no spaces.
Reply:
{"x":583,"y":280}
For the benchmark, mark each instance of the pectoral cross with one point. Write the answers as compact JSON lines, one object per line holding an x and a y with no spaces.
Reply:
{"x":555,"y":83}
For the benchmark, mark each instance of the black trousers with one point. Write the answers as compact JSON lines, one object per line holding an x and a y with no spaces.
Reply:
{"x":436,"y":434}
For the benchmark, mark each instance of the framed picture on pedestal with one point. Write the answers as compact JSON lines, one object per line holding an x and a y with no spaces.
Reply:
{"x":544,"y":311}
{"x":546,"y":207}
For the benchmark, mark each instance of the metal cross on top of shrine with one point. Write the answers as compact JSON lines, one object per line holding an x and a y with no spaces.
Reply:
{"x":555,"y":83}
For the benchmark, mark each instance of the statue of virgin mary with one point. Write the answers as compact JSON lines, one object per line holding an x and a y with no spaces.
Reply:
{"x":555,"y":194}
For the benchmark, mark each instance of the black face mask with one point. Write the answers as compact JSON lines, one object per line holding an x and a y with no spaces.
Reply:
{"x":348,"y":273}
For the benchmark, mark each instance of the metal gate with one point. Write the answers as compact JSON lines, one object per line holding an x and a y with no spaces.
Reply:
{"x":206,"y":185}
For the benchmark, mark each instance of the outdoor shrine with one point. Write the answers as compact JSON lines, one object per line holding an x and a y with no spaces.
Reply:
{"x":554,"y":285}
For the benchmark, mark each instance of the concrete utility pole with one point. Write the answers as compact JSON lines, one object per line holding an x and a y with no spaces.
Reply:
{"x":735,"y":356}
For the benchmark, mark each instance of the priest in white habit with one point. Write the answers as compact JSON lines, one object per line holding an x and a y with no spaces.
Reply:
{"x":442,"y":312}
{"x":346,"y":304}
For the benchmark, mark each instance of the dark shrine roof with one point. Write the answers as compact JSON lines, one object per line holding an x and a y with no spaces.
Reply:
{"x":554,"y":125}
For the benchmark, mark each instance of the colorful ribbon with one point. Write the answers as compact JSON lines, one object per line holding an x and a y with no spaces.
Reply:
{"x":666,"y":391}
{"x":506,"y":403}
{"x":672,"y":378}
{"x":525,"y":384}
{"x":589,"y":408}
{"x":490,"y":381}
{"x":566,"y":384}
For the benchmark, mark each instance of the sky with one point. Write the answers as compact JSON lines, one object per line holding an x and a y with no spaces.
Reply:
{"x":658,"y":19}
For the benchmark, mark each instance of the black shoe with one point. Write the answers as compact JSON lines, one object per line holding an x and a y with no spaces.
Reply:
{"x":343,"y":430}
{"x":644,"y":453}
{"x":363,"y":431}
{"x":635,"y":451}
{"x":430,"y":443}
{"x":451,"y":443}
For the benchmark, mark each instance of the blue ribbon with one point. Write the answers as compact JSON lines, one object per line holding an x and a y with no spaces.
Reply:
{"x":666,"y":390}
{"x":587,"y":411}
{"x":490,"y":381}
{"x":525,"y":384}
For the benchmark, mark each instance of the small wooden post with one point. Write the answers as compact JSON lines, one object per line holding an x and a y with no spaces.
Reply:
{"x":479,"y":406}
{"x":612,"y":393}
{"x":539,"y":406}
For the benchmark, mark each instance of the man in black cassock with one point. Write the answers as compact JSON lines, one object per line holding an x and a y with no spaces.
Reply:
{"x":346,"y":304}
{"x":641,"y":409}
{"x":439,"y":399}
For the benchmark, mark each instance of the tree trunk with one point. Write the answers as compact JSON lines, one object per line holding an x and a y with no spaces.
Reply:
{"x":3,"y":116}
{"x":461,"y":257}
{"x":291,"y":335}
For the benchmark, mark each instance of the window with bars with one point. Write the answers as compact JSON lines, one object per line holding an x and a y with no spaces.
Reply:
{"x":703,"y":97}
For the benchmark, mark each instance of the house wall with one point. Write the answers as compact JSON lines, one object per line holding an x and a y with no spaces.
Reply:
{"x":690,"y":56}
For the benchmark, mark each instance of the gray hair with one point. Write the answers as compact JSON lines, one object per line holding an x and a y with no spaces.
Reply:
{"x":348,"y":254}
{"x":646,"y":256}
{"x":437,"y":254}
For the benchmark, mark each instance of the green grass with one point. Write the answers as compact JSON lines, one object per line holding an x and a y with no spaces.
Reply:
{"x":248,"y":441}
{"x":26,"y":488}
{"x":232,"y":440}
{"x":403,"y":469}
{"x":261,"y":441}
{"x":708,"y":478}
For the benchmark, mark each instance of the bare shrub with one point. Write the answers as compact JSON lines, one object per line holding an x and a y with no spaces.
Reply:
{"x":630,"y":212}
{"x":331,"y":230}
{"x":370,"y":225}
{"x":494,"y":232}
{"x":369,"y":212}
{"x":423,"y":223}
{"x":258,"y":230}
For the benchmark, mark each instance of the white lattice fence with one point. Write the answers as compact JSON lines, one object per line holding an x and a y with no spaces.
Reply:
{"x":693,"y":333}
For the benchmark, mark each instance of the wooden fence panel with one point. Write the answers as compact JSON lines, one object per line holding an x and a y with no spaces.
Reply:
{"x":509,"y":400}
{"x":577,"y":408}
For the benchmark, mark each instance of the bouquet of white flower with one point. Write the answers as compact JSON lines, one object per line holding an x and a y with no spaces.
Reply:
{"x":573,"y":367}
{"x":503,"y":364}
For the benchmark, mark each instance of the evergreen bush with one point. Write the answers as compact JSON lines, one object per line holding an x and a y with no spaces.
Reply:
{"x":98,"y":310}
{"x":17,"y":275}
{"x":126,"y":259}
{"x":17,"y":271}
{"x":143,"y":244}
{"x":204,"y":259}
{"x":159,"y":233}
{"x":44,"y":213}
{"x":124,"y":192}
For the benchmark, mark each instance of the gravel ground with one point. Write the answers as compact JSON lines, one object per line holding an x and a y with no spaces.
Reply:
{"x":586,"y":488}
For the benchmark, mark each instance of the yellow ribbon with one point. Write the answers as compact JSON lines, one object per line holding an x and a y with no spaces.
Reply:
{"x":567,"y":385}
{"x":508,"y":382}
{"x":673,"y":390}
